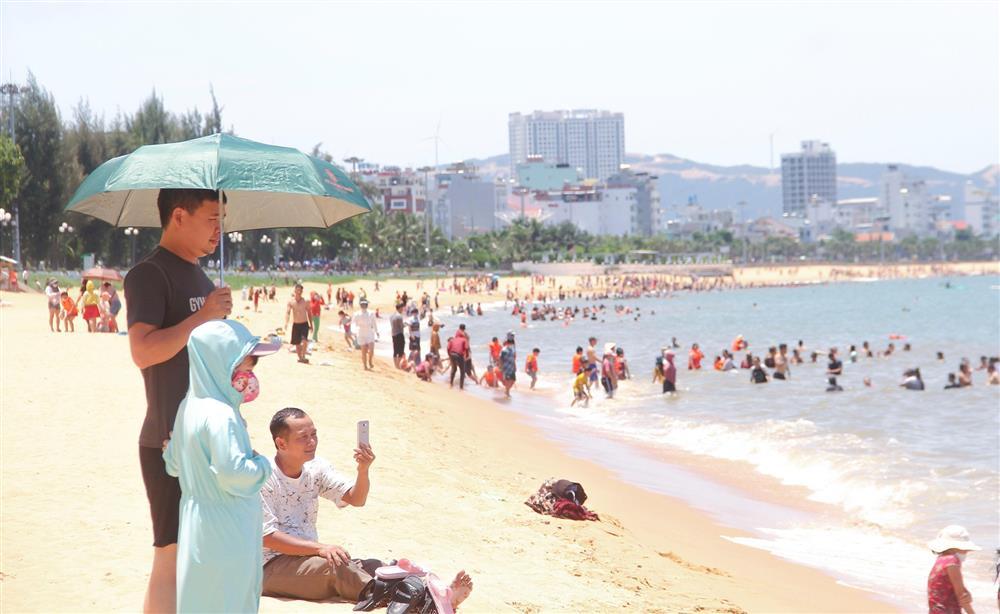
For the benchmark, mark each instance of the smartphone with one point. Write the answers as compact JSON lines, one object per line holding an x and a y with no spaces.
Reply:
{"x":363,"y":433}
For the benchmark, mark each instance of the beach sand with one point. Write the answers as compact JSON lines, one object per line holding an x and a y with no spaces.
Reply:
{"x":448,"y":487}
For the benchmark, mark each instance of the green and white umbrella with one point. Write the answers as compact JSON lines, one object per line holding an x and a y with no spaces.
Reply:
{"x":266,"y":186}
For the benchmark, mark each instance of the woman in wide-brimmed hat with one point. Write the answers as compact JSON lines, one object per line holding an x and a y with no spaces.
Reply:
{"x":946,"y":592}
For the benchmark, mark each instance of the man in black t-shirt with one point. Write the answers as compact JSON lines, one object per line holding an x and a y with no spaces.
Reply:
{"x":167,"y":296}
{"x":834,"y":367}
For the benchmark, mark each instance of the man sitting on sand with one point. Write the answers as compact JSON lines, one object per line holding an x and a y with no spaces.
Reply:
{"x":296,"y":564}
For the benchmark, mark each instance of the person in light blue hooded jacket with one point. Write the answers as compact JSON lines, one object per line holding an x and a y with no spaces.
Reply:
{"x":220,"y":535}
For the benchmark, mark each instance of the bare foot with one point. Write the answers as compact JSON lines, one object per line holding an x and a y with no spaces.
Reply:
{"x":461,"y":587}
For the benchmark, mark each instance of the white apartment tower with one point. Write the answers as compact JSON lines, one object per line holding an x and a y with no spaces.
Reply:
{"x":906,"y":203}
{"x":590,"y":140}
{"x":807,"y":176}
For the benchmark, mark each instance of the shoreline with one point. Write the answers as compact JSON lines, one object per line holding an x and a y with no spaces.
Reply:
{"x":448,"y":488}
{"x":569,"y":274}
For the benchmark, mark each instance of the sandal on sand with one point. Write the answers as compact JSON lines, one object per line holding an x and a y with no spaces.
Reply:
{"x":441,"y":593}
{"x":409,"y":596}
{"x":401,"y":569}
{"x":411,"y":568}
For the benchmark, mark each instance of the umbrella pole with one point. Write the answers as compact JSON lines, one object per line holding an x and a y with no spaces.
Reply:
{"x":222,"y":236}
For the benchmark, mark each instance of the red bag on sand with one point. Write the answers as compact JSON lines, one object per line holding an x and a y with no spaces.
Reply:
{"x":564,"y":508}
{"x":562,"y":499}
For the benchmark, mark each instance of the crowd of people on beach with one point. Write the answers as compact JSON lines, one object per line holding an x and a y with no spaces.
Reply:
{"x":230,"y":524}
{"x":605,"y":366}
{"x":97,"y":306}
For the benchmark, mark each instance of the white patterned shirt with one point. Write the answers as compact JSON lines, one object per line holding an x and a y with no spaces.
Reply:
{"x":291,"y":505}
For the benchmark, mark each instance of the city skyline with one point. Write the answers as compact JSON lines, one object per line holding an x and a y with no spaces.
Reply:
{"x":692,"y":80}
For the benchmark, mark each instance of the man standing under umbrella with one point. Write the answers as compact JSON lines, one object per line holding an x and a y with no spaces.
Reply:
{"x":167,"y":296}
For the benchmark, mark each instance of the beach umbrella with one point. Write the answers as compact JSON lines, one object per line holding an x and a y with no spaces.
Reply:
{"x":265,"y":186}
{"x":102,"y":273}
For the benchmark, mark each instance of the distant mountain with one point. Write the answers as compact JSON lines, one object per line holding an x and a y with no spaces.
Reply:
{"x":722,"y":187}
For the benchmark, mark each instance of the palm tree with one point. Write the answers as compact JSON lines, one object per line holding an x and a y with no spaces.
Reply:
{"x":397,"y":235}
{"x":373,"y":228}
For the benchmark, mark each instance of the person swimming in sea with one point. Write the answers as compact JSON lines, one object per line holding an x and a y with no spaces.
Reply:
{"x":912,"y":380}
{"x":758,"y":375}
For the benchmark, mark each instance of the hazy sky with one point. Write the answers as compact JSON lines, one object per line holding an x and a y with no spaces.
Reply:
{"x":902,"y":81}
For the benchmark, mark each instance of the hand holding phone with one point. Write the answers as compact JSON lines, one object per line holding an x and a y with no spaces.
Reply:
{"x":363,"y":455}
{"x":363,"y":433}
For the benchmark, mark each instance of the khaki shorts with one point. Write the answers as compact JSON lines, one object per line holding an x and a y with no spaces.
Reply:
{"x":312,"y":578}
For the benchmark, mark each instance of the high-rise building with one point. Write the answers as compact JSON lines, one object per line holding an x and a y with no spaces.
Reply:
{"x":464,"y":204}
{"x":586,"y":139}
{"x":645,"y":212}
{"x":807,"y":176}
{"x":400,"y":190}
{"x":905,"y":203}
{"x":982,"y":211}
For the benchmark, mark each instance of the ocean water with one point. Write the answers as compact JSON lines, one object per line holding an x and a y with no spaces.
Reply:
{"x":879,"y":469}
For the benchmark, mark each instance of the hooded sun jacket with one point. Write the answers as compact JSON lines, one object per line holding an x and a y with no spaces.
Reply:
{"x":219,"y":540}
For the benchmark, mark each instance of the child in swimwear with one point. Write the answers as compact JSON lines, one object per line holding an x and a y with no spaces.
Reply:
{"x":91,"y":311}
{"x":580,"y":392}
{"x":531,"y":366}
{"x":345,"y":321}
{"x":694,"y":357}
{"x":425,"y":368}
{"x":105,"y":308}
{"x":68,"y":311}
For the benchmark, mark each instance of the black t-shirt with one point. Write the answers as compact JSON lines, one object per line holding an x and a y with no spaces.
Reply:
{"x":152,"y":299}
{"x":758,"y":375}
{"x":835,"y":366}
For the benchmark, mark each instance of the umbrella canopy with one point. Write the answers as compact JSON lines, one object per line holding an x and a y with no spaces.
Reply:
{"x":102,"y":273}
{"x":266,"y":186}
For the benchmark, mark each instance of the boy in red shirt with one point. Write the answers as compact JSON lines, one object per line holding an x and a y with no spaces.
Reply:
{"x":315,"y":309}
{"x":694,"y":357}
{"x":578,"y":360}
{"x":494,"y":347}
{"x":531,"y":366}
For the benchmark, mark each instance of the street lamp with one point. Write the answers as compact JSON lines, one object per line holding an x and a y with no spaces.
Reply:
{"x":237,"y":238}
{"x":317,"y":244}
{"x":266,"y":240}
{"x":64,"y":228}
{"x":132,"y":233}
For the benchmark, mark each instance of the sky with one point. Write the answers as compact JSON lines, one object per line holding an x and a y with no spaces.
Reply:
{"x":911,"y":82}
